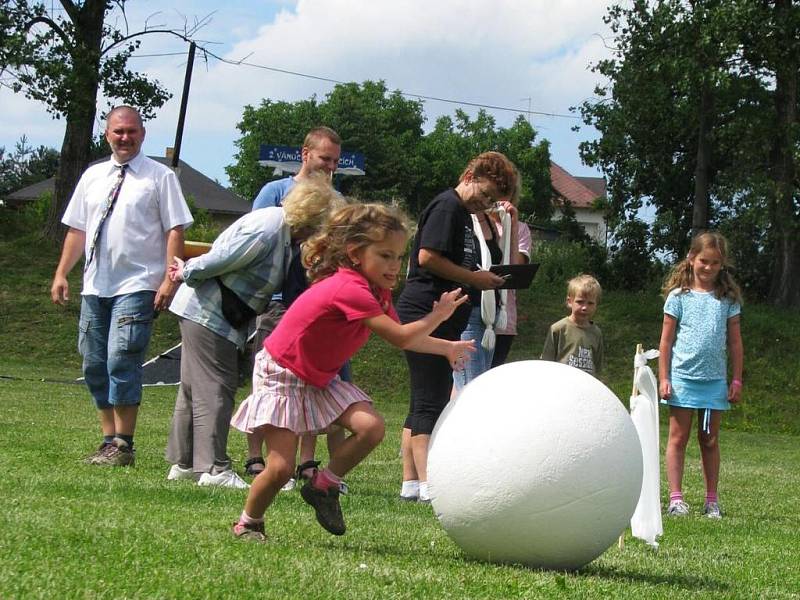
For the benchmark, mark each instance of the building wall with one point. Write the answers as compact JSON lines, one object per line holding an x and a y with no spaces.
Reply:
{"x":592,"y":222}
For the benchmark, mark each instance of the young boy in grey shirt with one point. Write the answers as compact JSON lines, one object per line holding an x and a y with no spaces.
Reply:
{"x":575,"y":340}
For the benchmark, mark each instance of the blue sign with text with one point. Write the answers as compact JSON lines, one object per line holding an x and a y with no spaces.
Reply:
{"x":290,"y":159}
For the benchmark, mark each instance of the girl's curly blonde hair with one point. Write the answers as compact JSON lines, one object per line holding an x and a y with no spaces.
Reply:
{"x":355,"y":225}
{"x":682,"y":275}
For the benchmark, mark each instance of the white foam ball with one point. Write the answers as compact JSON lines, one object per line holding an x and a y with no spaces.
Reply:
{"x":535,"y":463}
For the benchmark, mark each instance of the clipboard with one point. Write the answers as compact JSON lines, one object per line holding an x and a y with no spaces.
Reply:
{"x":517,"y":276}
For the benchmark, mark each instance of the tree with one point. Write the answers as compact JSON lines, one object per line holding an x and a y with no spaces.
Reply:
{"x":274,"y":123}
{"x":26,"y":165}
{"x":452,"y":143}
{"x":386,"y":128}
{"x":63,"y":61}
{"x":383,"y":126}
{"x":699,"y":119}
{"x":401,"y":163}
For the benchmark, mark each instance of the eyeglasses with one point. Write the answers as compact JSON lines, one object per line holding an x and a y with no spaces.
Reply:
{"x":487,"y":199}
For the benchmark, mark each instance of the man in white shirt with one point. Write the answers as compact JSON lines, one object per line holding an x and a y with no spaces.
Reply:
{"x":127,"y":215}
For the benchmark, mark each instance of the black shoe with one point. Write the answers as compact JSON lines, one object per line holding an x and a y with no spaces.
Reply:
{"x":326,"y":505}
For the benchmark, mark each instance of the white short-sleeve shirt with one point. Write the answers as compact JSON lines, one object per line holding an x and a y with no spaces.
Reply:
{"x":130,"y":255}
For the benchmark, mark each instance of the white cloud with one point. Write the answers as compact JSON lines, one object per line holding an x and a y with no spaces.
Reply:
{"x":497,"y":53}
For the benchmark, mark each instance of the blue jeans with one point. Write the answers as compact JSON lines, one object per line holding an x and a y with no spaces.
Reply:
{"x":479,"y":361}
{"x":113,"y":335}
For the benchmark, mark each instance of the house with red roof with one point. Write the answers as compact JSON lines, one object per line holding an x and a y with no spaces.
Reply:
{"x":582,"y":194}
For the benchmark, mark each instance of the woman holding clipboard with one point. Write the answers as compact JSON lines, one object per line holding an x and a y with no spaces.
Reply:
{"x":445,"y":255}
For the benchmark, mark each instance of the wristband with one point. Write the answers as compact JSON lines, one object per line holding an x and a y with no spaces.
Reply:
{"x":736,"y":383}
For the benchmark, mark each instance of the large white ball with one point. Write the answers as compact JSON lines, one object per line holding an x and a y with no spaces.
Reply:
{"x":535,"y":463}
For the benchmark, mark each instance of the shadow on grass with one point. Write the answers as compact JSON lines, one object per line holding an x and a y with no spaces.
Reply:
{"x":688,"y":582}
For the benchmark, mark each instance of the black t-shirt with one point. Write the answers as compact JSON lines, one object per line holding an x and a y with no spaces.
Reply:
{"x":445,"y":226}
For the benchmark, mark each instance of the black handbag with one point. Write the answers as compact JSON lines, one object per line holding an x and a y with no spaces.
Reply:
{"x":234,"y":309}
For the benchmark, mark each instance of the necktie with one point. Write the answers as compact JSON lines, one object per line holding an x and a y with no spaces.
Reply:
{"x":112,"y":199}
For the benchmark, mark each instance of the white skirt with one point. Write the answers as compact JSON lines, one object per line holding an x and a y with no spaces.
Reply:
{"x":281,"y":399}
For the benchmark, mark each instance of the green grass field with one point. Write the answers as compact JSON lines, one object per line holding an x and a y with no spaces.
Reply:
{"x":74,"y":531}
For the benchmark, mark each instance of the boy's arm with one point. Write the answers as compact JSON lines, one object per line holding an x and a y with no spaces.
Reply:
{"x":601,"y":354}
{"x":549,"y":350}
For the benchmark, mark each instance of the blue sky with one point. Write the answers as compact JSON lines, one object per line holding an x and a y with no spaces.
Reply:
{"x":498,"y":53}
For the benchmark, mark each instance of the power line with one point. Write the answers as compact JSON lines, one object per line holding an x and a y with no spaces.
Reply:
{"x":408,"y":94}
{"x":244,"y":63}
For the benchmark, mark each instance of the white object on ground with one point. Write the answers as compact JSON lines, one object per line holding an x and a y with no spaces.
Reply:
{"x":176,"y":472}
{"x":536,"y":463}
{"x":225,"y":479}
{"x":646,"y":521}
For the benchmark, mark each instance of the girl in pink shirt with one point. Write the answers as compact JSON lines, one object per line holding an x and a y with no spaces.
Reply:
{"x":353,"y":264}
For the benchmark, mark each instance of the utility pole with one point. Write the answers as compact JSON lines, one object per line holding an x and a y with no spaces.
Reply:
{"x":187,"y":80}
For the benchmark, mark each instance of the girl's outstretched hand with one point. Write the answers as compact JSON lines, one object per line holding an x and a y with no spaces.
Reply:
{"x":175,"y":270}
{"x":458,"y":353}
{"x":448,"y":303}
{"x":665,"y":389}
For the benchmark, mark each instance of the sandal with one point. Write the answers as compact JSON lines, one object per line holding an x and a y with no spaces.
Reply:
{"x":254,"y":466}
{"x":312,"y":464}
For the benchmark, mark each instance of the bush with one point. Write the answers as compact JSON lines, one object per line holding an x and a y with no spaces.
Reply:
{"x":204,"y":229}
{"x":631,"y":267}
{"x":561,"y":260}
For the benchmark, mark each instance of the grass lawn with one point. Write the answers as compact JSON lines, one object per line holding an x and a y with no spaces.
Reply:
{"x":70,"y":530}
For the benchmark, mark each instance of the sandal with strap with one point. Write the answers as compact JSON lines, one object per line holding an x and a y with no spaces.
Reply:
{"x":254,"y":466}
{"x":309,"y":464}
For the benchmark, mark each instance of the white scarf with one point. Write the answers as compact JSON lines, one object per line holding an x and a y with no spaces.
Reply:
{"x":489,"y":315}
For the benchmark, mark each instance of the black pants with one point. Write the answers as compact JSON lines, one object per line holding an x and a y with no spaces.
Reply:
{"x":502,"y":346}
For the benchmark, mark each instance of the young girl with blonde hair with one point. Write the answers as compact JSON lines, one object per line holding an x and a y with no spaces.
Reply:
{"x":353,"y":263}
{"x":701,"y":319}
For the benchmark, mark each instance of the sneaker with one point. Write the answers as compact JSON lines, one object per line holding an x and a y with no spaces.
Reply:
{"x":89,"y":460}
{"x":678,"y":508}
{"x":712,"y":510}
{"x":289,"y":485}
{"x":253,"y":533}
{"x":177,"y":472}
{"x":227,"y":478}
{"x":117,"y":454}
{"x":409,"y":498}
{"x":326,"y":505}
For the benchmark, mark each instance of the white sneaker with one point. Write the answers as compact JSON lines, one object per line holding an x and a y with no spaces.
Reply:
{"x":289,"y":485}
{"x":678,"y":508}
{"x":225,"y":479}
{"x":712,"y":510}
{"x":177,"y":472}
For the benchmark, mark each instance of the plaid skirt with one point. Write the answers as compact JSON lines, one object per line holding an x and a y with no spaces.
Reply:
{"x":281,"y":399}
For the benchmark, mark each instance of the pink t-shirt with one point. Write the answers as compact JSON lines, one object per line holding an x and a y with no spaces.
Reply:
{"x":324,"y":327}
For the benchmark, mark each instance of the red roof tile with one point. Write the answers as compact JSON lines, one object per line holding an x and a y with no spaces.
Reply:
{"x":581,"y":194}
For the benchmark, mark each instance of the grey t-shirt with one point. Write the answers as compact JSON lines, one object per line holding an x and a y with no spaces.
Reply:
{"x":580,"y":347}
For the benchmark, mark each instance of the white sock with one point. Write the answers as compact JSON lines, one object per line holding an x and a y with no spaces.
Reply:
{"x":423,"y":491}
{"x":410,"y":488}
{"x":248,"y":520}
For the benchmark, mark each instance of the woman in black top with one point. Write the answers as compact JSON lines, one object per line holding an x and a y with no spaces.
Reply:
{"x":444,"y":257}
